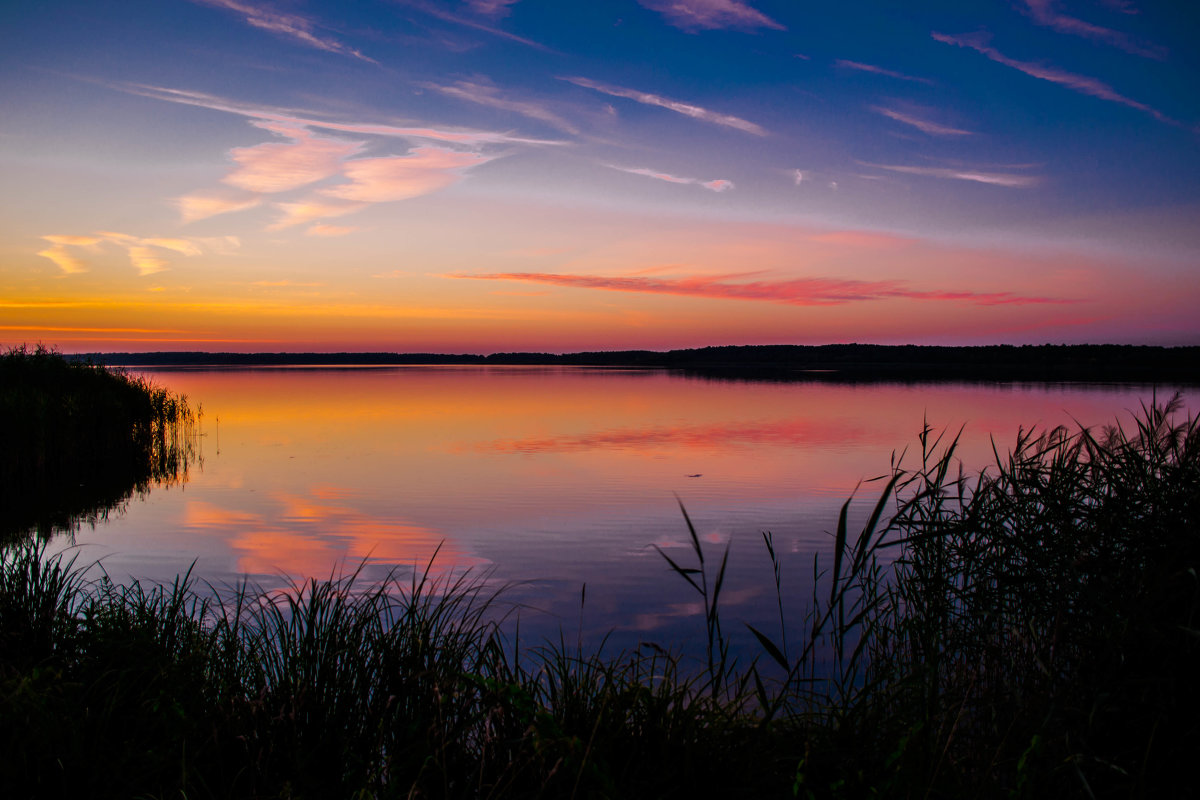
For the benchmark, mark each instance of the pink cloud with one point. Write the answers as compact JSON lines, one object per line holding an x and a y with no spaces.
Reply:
{"x":292,"y":26}
{"x":280,"y":166}
{"x":1045,"y":12}
{"x":386,"y":179}
{"x":797,"y":291}
{"x":880,"y":71}
{"x":923,"y":125}
{"x":491,"y":8}
{"x":687,"y":109}
{"x":692,"y":15}
{"x":1078,"y":83}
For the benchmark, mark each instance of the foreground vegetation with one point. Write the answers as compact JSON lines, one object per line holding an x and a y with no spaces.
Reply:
{"x":1029,"y":631}
{"x":79,"y":440}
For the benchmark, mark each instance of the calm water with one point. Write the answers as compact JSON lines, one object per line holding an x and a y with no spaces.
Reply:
{"x":548,"y":477}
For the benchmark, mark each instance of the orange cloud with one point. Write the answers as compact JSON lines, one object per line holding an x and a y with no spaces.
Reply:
{"x":146,"y":262}
{"x":201,"y":205}
{"x":304,"y":211}
{"x":141,"y":250}
{"x":69,"y":264}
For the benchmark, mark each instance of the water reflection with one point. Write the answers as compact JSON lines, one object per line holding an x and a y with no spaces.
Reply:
{"x":550,"y":478}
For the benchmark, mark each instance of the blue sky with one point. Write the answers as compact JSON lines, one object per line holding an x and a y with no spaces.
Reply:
{"x":462,"y":174}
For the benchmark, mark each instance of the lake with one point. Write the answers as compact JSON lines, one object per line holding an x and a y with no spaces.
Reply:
{"x":549,"y":479}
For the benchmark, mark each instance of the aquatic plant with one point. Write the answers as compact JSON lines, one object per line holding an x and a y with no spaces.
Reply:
{"x":81,"y":439}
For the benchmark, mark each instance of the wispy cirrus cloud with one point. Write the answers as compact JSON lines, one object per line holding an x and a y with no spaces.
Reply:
{"x":1045,"y":13}
{"x":920,"y":123}
{"x":1079,"y":83}
{"x":489,"y":96}
{"x":1011,"y":180}
{"x":861,"y":67}
{"x":718,"y":185}
{"x":147,"y":254}
{"x":694,"y":15}
{"x":292,"y":26}
{"x":796,"y":291}
{"x":679,"y":107}
{"x":487,"y":8}
{"x":305,"y":158}
{"x":464,"y":137}
{"x":491,"y":8}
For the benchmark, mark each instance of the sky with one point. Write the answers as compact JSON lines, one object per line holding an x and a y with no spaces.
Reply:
{"x":477,"y":176}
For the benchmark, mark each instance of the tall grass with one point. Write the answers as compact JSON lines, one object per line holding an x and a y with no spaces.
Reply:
{"x":1026,"y":631}
{"x":1032,"y":629}
{"x":81,"y":439}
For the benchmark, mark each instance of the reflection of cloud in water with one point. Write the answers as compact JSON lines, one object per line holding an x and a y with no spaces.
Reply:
{"x":301,"y":538}
{"x":714,"y":436}
{"x":654,"y":620}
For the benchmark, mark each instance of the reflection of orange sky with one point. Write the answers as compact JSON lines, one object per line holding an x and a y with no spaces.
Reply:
{"x":304,"y":539}
{"x":548,"y":472}
{"x":711,"y":437}
{"x":495,"y":432}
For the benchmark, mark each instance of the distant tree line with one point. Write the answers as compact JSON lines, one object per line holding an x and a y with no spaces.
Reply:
{"x":779,"y":362}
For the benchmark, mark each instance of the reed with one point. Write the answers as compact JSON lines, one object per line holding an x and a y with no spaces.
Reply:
{"x":1031,"y":629}
{"x":81,"y":439}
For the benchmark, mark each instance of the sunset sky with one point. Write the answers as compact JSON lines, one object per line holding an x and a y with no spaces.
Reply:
{"x":497,"y":175}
